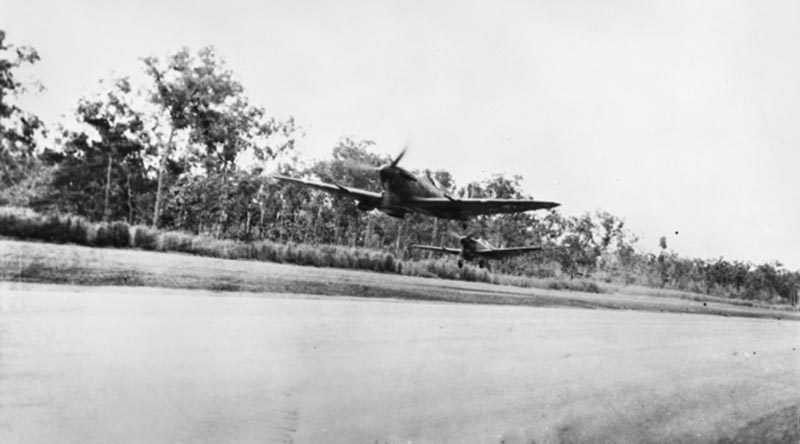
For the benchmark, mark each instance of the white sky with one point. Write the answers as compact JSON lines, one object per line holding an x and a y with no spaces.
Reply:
{"x":677,"y":116}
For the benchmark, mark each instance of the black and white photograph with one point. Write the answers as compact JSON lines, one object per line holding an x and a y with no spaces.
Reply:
{"x":399,"y":222}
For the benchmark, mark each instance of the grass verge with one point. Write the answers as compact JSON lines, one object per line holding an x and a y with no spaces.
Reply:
{"x":22,"y":261}
{"x":25,"y":224}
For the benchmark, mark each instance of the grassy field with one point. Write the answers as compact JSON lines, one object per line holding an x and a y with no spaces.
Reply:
{"x":26,"y":224}
{"x":70,"y":264}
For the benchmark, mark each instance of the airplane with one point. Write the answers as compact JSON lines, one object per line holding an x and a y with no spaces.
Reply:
{"x":473,"y":247}
{"x":403,"y":192}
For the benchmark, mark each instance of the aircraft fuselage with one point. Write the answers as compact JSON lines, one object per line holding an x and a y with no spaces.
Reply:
{"x":400,"y":187}
{"x":471,"y":247}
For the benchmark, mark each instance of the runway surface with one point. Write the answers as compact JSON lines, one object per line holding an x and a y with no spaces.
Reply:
{"x":143,"y":365}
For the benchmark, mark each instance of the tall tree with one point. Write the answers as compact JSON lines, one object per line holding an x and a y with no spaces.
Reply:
{"x":100,"y":169}
{"x":174,"y":93}
{"x":198,"y":95}
{"x":353,"y":164}
{"x":18,"y":128}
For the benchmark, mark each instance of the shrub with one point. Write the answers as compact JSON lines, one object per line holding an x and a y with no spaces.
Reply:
{"x":175,"y":241}
{"x":475,"y":274}
{"x":115,"y":234}
{"x":239,"y":250}
{"x":80,"y":231}
{"x":145,"y":238}
{"x":574,"y":285}
{"x":26,"y":224}
{"x":443,"y":268}
{"x":223,"y":248}
{"x":307,"y":255}
{"x":415,"y":269}
{"x":388,"y":263}
{"x":208,"y":246}
{"x":51,"y":230}
{"x":327,"y":255}
{"x":341,"y":259}
{"x":265,"y":251}
{"x":18,"y":222}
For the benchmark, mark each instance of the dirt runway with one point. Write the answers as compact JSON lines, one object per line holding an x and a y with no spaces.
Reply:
{"x":144,"y":365}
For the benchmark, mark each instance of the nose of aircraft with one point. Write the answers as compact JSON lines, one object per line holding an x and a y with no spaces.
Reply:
{"x":388,"y":173}
{"x":385,"y":174}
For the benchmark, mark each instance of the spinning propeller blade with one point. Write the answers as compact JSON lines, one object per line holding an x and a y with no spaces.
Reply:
{"x":399,"y":156}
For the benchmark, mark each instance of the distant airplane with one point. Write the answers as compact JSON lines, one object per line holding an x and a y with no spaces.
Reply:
{"x":477,"y":248}
{"x":404,"y":192}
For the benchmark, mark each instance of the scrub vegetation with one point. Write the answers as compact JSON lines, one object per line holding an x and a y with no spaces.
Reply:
{"x":40,"y":262}
{"x":179,"y":163}
{"x":24,"y":223}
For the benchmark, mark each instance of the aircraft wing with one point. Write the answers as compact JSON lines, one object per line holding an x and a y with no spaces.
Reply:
{"x":501,"y":253}
{"x":473,"y":207}
{"x":370,"y":197}
{"x":439,"y":249}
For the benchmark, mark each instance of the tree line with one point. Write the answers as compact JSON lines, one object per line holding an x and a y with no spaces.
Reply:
{"x":186,"y":150}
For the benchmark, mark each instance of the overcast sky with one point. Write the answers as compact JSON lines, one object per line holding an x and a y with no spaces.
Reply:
{"x":681,"y":117}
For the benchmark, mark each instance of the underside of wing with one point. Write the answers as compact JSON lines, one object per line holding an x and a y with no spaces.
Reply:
{"x":500,"y":253}
{"x":370,"y":197}
{"x":463,"y":208}
{"x":438,"y":249}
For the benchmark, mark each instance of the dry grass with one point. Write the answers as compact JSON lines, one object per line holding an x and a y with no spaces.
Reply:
{"x":70,"y":264}
{"x":23,"y":223}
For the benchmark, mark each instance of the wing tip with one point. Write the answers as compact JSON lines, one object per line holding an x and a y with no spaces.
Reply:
{"x":273,"y":178}
{"x":280,"y":177}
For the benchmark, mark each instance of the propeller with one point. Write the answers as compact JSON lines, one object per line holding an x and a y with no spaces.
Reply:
{"x":363,"y":166}
{"x":399,"y":157}
{"x":393,"y":166}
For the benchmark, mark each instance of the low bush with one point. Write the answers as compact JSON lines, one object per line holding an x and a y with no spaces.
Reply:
{"x":224,"y":248}
{"x":446,"y":269}
{"x":475,"y":274}
{"x":145,"y":238}
{"x":80,"y":231}
{"x":26,"y":224}
{"x":208,"y":246}
{"x":389,"y":263}
{"x":175,"y":241}
{"x":574,"y":285}
{"x":10,"y":221}
{"x":65,"y":229}
{"x":264,"y":251}
{"x":114,"y":234}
